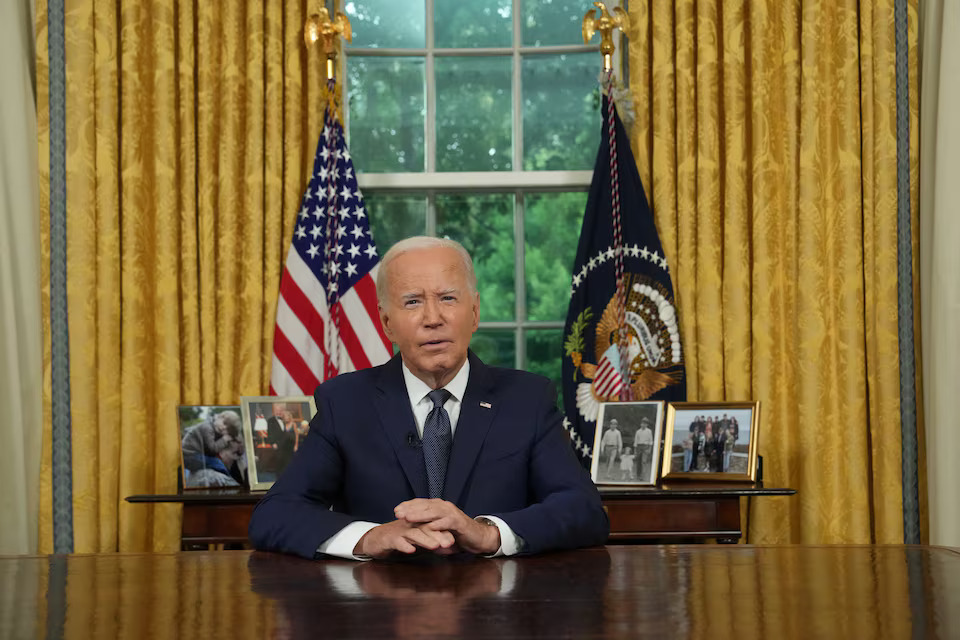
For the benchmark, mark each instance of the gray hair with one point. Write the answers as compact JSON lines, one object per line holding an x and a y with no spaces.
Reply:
{"x":415,"y":243}
{"x":231,"y":419}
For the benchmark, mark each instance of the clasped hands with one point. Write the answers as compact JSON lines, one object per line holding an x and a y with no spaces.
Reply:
{"x":432,"y":525}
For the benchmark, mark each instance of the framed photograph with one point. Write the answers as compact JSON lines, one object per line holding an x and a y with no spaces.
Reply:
{"x":212,"y":453}
{"x":626,"y":446}
{"x":273,"y":429}
{"x":711,"y":441}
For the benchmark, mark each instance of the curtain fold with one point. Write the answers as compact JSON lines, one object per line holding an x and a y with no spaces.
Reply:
{"x":20,"y":337}
{"x":940,"y":274}
{"x":190,"y":130}
{"x":768,"y":133}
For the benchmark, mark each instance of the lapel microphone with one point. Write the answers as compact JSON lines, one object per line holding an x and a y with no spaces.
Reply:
{"x":413,"y":440}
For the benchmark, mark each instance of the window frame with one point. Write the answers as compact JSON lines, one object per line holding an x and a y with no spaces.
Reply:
{"x":517,"y":182}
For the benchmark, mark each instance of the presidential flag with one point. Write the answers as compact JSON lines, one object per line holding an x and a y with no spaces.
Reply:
{"x":621,"y":338}
{"x":327,"y":320}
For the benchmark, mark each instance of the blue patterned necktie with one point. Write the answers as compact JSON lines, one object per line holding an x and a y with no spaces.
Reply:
{"x":436,"y":442}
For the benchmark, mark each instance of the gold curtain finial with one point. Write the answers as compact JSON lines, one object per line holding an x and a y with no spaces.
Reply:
{"x":601,"y":20}
{"x":319,"y":26}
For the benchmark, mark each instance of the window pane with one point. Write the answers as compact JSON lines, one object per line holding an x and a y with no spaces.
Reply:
{"x":473,"y":23}
{"x":544,"y":354}
{"x":547,"y":22}
{"x":395,"y":217}
{"x":474,"y":125}
{"x":387,"y":23}
{"x":496,"y":347}
{"x":484,"y":225}
{"x":387,"y":112}
{"x":561,"y":118}
{"x":551,"y":230}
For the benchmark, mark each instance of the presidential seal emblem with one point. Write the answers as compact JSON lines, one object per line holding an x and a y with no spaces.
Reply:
{"x":654,"y":355}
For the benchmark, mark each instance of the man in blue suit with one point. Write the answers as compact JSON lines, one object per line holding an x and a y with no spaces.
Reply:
{"x":432,"y":452}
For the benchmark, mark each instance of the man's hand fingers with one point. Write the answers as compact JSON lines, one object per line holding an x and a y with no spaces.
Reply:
{"x":428,"y":539}
{"x":423,"y":510}
{"x":441,"y":524}
{"x":417,"y":510}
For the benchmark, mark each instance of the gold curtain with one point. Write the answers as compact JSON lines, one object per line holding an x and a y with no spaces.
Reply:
{"x":190,"y":133}
{"x":766,"y":136}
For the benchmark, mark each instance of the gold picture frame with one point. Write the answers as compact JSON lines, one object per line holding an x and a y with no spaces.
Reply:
{"x":212,"y":455}
{"x":711,"y":441}
{"x":271,"y":438}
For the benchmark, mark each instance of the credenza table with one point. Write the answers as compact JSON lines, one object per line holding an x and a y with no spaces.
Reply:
{"x":679,"y":512}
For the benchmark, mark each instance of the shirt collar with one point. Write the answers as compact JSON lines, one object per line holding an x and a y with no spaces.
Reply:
{"x":417,"y":389}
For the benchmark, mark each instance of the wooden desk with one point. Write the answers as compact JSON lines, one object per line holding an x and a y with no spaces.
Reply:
{"x":679,"y":512}
{"x":699,"y":591}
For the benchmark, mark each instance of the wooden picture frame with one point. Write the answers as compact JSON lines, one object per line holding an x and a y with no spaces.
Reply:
{"x":711,"y":441}
{"x":271,"y":438}
{"x":632,"y":457}
{"x":212,"y":454}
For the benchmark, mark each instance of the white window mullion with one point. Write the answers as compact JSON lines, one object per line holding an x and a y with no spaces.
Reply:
{"x":517,"y":89}
{"x":430,"y":121}
{"x":519,"y":280}
{"x":431,"y":213}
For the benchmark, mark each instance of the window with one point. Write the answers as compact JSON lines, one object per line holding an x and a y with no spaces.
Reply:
{"x":479,"y":120}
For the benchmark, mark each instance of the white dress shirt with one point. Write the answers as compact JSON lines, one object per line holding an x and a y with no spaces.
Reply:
{"x":343,"y":542}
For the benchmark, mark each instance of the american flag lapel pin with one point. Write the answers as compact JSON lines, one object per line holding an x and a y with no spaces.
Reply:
{"x":486,"y":405}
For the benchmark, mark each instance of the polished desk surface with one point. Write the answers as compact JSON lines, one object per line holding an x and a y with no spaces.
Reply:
{"x":703,"y":591}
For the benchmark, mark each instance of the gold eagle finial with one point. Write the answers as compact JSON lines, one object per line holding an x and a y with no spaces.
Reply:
{"x":319,"y":26}
{"x":601,"y":20}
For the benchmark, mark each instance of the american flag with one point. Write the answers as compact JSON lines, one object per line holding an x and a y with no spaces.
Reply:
{"x":327,"y":319}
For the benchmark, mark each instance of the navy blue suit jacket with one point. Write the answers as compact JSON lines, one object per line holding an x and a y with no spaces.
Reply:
{"x":362,"y":457}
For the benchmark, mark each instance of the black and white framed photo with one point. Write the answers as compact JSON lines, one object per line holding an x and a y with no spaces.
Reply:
{"x":626,"y":447}
{"x":711,"y":441}
{"x":274,"y":428}
{"x":212,"y":453}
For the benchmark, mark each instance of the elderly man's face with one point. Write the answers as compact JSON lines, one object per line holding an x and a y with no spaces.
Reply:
{"x":430,"y":313}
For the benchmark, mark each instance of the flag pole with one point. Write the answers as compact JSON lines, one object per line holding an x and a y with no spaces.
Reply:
{"x":605,"y":22}
{"x":319,"y":26}
{"x":602,"y":20}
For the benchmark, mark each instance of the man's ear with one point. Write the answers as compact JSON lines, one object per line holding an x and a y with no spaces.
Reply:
{"x":476,"y":311}
{"x":385,"y":322}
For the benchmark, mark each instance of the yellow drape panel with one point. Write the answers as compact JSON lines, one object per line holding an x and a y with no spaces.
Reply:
{"x":766,"y":135}
{"x":190,"y":135}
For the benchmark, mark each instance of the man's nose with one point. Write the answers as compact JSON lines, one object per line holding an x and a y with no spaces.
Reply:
{"x":432,"y":315}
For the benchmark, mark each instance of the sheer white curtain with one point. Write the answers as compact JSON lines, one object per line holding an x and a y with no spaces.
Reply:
{"x":940,"y":260}
{"x":20,"y":333}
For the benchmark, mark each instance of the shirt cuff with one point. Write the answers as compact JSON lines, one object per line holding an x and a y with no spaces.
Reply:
{"x":510,"y":543}
{"x":342,"y":543}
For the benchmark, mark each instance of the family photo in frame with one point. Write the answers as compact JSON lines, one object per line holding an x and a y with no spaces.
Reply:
{"x":274,"y":428}
{"x":626,"y":447}
{"x":212,"y":452}
{"x":711,"y":440}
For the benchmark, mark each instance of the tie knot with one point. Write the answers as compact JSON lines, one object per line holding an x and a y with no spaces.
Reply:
{"x":439,"y":396}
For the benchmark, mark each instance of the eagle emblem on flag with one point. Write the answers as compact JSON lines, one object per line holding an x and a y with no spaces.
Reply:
{"x":654,"y":354}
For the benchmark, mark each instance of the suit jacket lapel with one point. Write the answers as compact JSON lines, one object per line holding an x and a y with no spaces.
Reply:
{"x":396,"y":418}
{"x":472,"y":428}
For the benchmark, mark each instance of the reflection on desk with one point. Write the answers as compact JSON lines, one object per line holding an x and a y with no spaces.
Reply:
{"x":703,"y":591}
